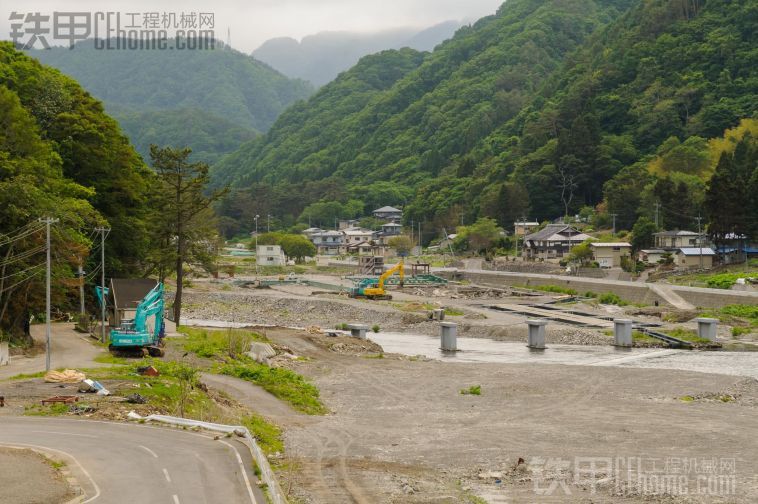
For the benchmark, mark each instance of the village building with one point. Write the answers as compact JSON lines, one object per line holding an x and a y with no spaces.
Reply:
{"x":609,"y":255}
{"x":329,"y":242}
{"x":554,"y":241}
{"x":270,"y":255}
{"x":388,"y":213}
{"x":652,"y":256}
{"x":524,"y":228}
{"x":676,"y":239}
{"x":695,"y":258}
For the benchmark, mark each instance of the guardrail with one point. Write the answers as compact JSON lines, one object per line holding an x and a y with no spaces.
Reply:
{"x":267,"y":474}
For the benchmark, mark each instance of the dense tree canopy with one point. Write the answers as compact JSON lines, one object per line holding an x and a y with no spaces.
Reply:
{"x":541,"y":109}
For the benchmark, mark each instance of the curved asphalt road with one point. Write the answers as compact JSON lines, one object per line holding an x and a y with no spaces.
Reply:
{"x":117,"y":463}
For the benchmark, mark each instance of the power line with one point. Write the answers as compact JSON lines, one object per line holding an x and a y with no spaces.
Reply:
{"x":23,"y":234}
{"x":24,"y":255}
{"x":6,"y":289}
{"x":22,"y":271}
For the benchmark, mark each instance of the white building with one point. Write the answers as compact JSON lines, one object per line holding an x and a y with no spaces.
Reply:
{"x":356,"y":235}
{"x":270,"y":255}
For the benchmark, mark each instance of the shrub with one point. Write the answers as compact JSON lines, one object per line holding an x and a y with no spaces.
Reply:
{"x":472,"y":390}
{"x":375,"y":328}
{"x":611,"y":299}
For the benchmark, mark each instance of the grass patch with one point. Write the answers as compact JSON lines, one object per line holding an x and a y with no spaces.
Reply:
{"x":687,"y":398}
{"x":740,"y":331}
{"x":452,"y":312}
{"x":210,"y":344}
{"x":611,"y":299}
{"x":282,"y":383}
{"x":643,"y":338}
{"x":27,"y":376}
{"x":554,"y":288}
{"x":472,"y":390}
{"x":268,"y":435}
{"x":55,"y":409}
{"x":374,"y":356}
{"x":686,"y":335}
{"x":111,"y":359}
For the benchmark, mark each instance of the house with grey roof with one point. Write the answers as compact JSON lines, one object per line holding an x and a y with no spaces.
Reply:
{"x":552,"y":242}
{"x":388,"y":213}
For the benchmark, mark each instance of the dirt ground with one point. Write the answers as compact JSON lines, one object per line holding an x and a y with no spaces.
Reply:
{"x":401,"y":431}
{"x":26,"y":477}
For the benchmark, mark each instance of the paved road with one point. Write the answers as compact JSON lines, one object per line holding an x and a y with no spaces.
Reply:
{"x":69,"y":349}
{"x":118,"y":463}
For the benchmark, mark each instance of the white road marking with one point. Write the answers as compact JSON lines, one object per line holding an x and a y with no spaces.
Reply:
{"x":244,"y":472}
{"x":64,"y":433}
{"x":84,"y":471}
{"x":148,"y":450}
{"x":176,"y":499}
{"x":165,"y":473}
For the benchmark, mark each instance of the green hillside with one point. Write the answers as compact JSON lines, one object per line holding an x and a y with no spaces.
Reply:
{"x":61,"y":156}
{"x":210,"y":137}
{"x":531,"y":111}
{"x":209,"y":98}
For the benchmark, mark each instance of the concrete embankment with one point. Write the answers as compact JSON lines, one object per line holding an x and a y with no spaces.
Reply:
{"x":634,"y":292}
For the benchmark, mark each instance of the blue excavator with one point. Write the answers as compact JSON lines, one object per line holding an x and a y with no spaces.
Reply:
{"x":144,"y":333}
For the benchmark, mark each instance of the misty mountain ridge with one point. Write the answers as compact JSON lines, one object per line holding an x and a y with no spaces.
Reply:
{"x":319,"y":58}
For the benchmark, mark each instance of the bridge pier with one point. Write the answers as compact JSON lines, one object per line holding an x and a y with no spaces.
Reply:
{"x":536,"y":336}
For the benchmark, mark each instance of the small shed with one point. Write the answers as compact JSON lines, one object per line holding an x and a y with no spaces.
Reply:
{"x":124,"y":296}
{"x":695,"y":257}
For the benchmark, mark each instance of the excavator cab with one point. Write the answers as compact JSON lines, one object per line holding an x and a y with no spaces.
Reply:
{"x":374,"y":289}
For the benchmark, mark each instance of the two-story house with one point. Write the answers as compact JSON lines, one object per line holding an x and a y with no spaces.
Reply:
{"x":554,"y":241}
{"x":388,"y":213}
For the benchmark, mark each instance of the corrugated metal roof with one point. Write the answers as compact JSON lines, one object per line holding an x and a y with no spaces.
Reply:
{"x":695,"y":251}
{"x":128,"y":292}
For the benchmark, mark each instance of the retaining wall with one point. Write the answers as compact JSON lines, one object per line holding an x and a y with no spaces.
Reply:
{"x":634,"y":292}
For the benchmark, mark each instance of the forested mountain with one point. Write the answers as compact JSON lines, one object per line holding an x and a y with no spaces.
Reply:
{"x":321,"y":57}
{"x":539,"y":110}
{"x":62,"y":157}
{"x":226,"y":94}
{"x":210,"y":137}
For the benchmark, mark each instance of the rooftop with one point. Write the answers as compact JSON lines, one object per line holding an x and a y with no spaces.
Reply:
{"x":676,"y":232}
{"x":552,"y":229}
{"x":695,"y":251}
{"x":387,"y":209}
{"x":611,"y":244}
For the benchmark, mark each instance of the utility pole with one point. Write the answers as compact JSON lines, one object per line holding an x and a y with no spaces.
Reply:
{"x":700,"y":239}
{"x":268,"y":223}
{"x":82,"y":311}
{"x":419,"y":238}
{"x":256,"y":243}
{"x":47,"y":221}
{"x":614,"y":222}
{"x":657,"y":209}
{"x":103,"y":231}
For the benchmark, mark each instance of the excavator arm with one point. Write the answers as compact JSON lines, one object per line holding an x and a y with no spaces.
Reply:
{"x":398,"y":268}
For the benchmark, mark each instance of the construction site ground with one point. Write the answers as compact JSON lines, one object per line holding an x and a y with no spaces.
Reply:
{"x":400,"y":430}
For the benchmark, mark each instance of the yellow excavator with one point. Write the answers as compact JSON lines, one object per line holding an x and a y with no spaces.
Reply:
{"x":371,"y":288}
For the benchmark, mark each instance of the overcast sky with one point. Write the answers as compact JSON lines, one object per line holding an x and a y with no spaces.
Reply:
{"x":254,"y":21}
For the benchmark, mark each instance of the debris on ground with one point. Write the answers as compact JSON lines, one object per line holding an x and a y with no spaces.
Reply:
{"x":261,"y":352}
{"x":82,"y":409}
{"x":148,"y":371}
{"x":135,"y":399}
{"x":65,"y":376}
{"x":60,"y":399}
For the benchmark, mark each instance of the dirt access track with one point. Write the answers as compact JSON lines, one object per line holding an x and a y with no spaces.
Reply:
{"x":401,"y":432}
